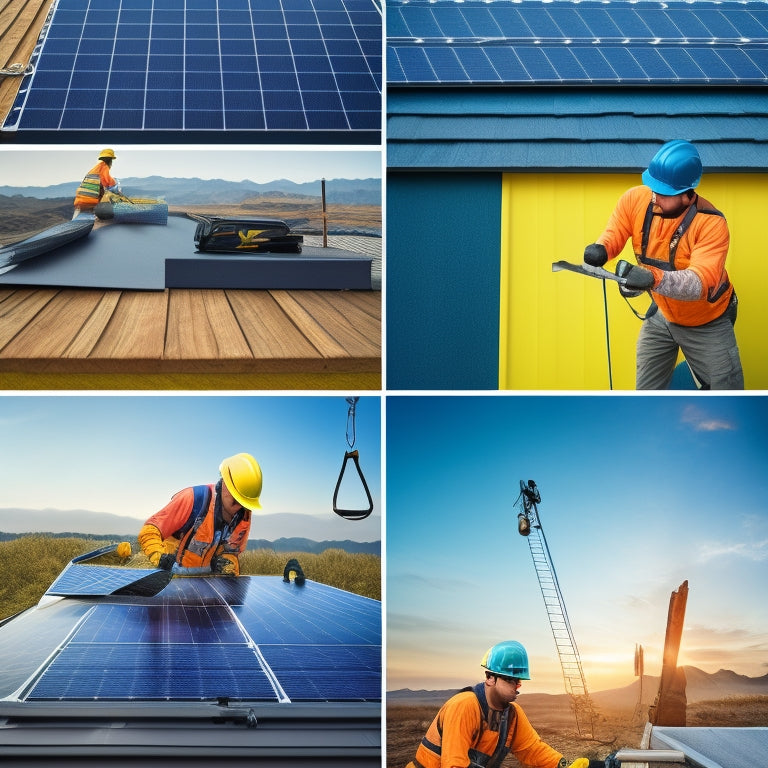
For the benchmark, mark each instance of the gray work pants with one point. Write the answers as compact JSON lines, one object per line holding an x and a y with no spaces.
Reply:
{"x":710,"y":350}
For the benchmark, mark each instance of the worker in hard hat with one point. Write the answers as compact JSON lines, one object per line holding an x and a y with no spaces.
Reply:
{"x":680,"y":241}
{"x":96,"y":182}
{"x":206,"y":525}
{"x":479,"y":726}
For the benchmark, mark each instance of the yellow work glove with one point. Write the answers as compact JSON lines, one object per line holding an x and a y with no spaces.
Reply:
{"x":580,"y":762}
{"x":123,"y":549}
{"x":151,"y":542}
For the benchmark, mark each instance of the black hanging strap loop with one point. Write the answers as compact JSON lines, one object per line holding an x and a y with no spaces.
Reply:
{"x":352,"y":514}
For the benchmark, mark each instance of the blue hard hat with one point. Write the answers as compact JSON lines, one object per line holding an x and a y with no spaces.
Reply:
{"x":507,"y":658}
{"x":675,"y":168}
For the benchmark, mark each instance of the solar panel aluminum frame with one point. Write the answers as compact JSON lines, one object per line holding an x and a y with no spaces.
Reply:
{"x":233,"y":733}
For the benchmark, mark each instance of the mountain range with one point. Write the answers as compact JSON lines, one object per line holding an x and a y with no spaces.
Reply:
{"x":282,"y":531}
{"x":194,"y":191}
{"x":700,"y":686}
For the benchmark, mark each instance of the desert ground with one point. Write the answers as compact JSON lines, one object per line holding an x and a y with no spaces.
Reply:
{"x":22,"y":217}
{"x":614,"y":728}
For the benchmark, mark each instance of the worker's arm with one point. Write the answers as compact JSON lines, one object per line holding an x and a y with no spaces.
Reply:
{"x":620,"y":225}
{"x":164,"y":524}
{"x":528,"y":747}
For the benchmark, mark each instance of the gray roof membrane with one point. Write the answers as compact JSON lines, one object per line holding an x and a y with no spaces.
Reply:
{"x":141,"y":256}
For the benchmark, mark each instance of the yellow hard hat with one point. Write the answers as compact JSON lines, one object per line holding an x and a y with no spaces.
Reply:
{"x":242,"y":476}
{"x":107,"y":153}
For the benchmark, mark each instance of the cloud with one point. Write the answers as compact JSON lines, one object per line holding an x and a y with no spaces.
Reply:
{"x":756,"y":551}
{"x":702,"y":422}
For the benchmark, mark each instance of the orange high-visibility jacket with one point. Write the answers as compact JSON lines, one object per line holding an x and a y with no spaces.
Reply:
{"x":461,"y":729}
{"x":203,"y":544}
{"x":92,"y":187}
{"x":702,"y":248}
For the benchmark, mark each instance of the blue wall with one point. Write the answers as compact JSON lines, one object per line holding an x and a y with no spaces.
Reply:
{"x":442,"y":280}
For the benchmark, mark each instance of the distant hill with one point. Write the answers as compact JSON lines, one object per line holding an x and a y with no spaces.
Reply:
{"x":196,"y":191}
{"x":701,"y":686}
{"x":278,"y":528}
{"x":279,"y":545}
{"x":316,"y":547}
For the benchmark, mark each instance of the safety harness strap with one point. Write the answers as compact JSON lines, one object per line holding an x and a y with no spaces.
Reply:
{"x":200,"y":504}
{"x":669,"y":264}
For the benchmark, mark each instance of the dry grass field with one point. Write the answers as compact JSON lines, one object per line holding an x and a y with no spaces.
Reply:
{"x":31,"y":563}
{"x":615,"y":729}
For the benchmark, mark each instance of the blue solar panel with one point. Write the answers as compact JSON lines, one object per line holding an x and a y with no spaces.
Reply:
{"x":94,"y":580}
{"x":199,"y":638}
{"x":262,"y":66}
{"x":577,"y":42}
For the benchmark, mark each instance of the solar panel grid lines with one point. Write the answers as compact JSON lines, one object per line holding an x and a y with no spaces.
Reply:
{"x":201,"y":638}
{"x":577,"y":42}
{"x":205,"y":65}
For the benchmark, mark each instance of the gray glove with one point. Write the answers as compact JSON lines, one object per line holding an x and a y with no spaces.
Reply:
{"x":595,"y":255}
{"x":639,"y":279}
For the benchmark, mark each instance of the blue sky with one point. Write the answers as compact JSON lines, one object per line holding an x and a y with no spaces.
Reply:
{"x":639,"y":493}
{"x":128,"y":454}
{"x":42,"y":166}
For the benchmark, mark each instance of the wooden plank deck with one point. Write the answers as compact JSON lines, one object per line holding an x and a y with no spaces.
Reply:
{"x":20,"y":25}
{"x":190,"y":339}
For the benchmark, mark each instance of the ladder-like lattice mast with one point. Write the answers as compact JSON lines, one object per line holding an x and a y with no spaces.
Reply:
{"x":529,"y":525}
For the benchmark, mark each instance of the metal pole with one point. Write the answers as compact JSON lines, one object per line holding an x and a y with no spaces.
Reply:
{"x":325,"y":217}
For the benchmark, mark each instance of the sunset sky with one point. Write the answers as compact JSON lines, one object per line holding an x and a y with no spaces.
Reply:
{"x":639,"y":493}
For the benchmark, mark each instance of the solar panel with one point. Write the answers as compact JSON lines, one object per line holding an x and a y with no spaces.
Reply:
{"x":200,"y":638}
{"x":92,"y":580}
{"x":266,"y":67}
{"x":577,"y":42}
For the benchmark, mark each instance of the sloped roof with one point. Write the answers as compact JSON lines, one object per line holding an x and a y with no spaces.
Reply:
{"x":582,"y":129}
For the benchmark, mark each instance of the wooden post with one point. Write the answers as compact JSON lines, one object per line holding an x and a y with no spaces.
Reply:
{"x":669,"y":708}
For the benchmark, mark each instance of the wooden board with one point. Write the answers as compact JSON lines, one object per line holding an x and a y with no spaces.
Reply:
{"x":189,"y":332}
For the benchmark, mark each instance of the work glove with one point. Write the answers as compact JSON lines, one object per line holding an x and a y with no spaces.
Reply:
{"x":595,"y":255}
{"x":123,"y":549}
{"x":585,"y":762}
{"x":223,"y":565}
{"x":639,"y":279}
{"x":166,"y":561}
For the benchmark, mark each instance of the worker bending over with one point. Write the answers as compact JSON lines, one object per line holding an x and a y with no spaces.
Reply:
{"x":680,"y":241}
{"x":479,"y":726}
{"x":206,"y":525}
{"x":96,"y":182}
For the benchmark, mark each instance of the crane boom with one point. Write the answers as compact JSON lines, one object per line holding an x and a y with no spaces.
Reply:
{"x":529,"y":525}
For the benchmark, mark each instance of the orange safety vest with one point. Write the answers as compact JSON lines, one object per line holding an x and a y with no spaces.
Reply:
{"x":466,"y":733}
{"x":92,"y":187}
{"x":697,"y":239}
{"x":196,"y":542}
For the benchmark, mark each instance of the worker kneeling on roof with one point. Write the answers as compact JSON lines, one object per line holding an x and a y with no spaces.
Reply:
{"x":479,"y":726}
{"x":206,"y":525}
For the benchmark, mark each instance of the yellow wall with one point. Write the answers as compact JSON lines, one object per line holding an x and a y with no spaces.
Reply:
{"x":552,"y":324}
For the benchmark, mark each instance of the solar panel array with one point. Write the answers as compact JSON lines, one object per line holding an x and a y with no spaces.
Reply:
{"x":252,"y":638}
{"x":577,"y":41}
{"x":205,"y":65}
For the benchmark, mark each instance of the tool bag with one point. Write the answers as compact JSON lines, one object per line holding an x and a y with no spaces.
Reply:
{"x":236,"y":234}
